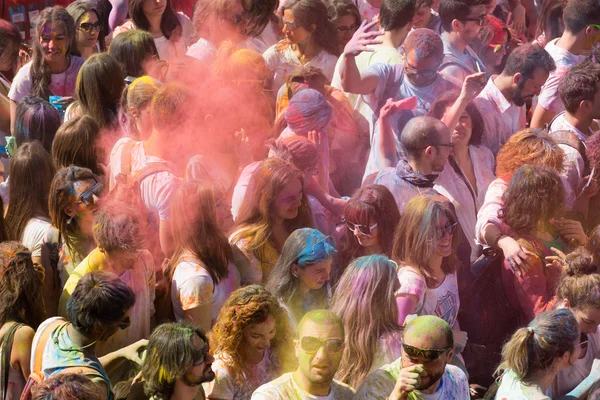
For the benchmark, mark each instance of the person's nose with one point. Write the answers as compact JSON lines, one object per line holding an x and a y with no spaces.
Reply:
{"x":209,"y":358}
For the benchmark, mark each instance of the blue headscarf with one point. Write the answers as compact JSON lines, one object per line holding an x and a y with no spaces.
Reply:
{"x":318,"y":247}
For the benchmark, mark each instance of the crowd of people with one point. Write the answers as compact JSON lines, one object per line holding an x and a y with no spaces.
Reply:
{"x":300,"y":199}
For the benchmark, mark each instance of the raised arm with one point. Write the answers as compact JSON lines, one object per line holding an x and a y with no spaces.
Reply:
{"x":471,"y":87}
{"x":353,"y":81}
{"x":387,"y":142}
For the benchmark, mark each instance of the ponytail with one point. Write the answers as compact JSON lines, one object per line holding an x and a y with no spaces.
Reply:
{"x":536,"y":347}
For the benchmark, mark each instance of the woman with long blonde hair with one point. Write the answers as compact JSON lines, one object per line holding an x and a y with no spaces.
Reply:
{"x":373,"y":336}
{"x":251,"y":342}
{"x":274,"y":206}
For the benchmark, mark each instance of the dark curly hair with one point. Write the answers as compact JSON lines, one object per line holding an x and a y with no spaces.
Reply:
{"x":247,"y":306}
{"x":68,"y":387}
{"x":535,"y":194}
{"x":21,"y":281}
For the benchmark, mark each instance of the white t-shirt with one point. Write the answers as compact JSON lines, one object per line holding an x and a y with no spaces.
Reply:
{"x":365,"y":117}
{"x":62,"y":84}
{"x":366,"y":10}
{"x":192,"y":286}
{"x":224,"y":387}
{"x":267,"y":38}
{"x":380,"y":384}
{"x":442,"y":301}
{"x":285,"y":387}
{"x":168,"y":49}
{"x":511,"y":388}
{"x":203,"y":51}
{"x":549,"y":98}
{"x":156,"y":190}
{"x":389,"y":349}
{"x":34,"y":233}
{"x":467,"y":200}
{"x":282,"y":61}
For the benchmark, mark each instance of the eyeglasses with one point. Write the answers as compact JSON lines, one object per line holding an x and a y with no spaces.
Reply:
{"x":425,"y":73}
{"x":344,"y":29}
{"x":126,"y":323}
{"x":87,"y":198}
{"x":292,"y":26}
{"x":89,"y":27}
{"x":480,"y":19}
{"x":594,"y":25}
{"x":497,"y":47}
{"x":448,"y":229}
{"x":364,"y":229}
{"x":325,"y":241}
{"x":429,"y":354}
{"x":311,"y":345}
{"x":449,"y":145}
{"x":266,"y":84}
{"x":237,"y":19}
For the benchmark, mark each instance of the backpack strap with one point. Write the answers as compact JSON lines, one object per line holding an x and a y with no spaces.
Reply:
{"x":570,"y":139}
{"x":6,"y":343}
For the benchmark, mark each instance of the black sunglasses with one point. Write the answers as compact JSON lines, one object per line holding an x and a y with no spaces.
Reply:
{"x":312,"y":344}
{"x":429,"y":354}
{"x":89,"y":27}
{"x":87,"y":198}
{"x":480,"y":19}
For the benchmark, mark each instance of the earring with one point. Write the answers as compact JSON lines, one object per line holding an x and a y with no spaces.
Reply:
{"x":69,"y":220}
{"x":294,"y":275}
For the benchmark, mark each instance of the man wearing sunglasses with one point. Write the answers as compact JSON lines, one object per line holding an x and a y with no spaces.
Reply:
{"x":582,"y":31}
{"x":319,"y":348}
{"x":502,"y":102}
{"x":427,"y":347}
{"x":461,"y":22}
{"x":118,"y":233}
{"x":98,"y":308}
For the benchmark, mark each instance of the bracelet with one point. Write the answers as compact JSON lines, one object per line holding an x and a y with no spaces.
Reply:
{"x":496,"y":239}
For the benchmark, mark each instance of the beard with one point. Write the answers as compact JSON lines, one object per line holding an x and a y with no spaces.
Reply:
{"x":192,"y":380}
{"x":432,"y":380}
{"x":518,"y":99}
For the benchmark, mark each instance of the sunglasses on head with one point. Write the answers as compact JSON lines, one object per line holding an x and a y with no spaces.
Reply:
{"x":87,"y":198}
{"x":364,"y":229}
{"x":429,"y":354}
{"x":311,"y":345}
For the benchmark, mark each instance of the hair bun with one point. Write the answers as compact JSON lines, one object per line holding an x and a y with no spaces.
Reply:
{"x":580,"y":262}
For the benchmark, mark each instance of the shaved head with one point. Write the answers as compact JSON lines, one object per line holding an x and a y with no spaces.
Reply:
{"x":320,"y":317}
{"x":420,"y":133}
{"x":428,"y":332}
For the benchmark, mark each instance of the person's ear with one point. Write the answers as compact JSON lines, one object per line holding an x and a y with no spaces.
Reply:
{"x":295,"y":270}
{"x":134,"y":112}
{"x":451,"y":354}
{"x":585,"y":105}
{"x":428,"y":151}
{"x":456,"y":25}
{"x":517,"y":78}
{"x":566,"y":303}
{"x":312,"y":28}
{"x":69,"y":211}
{"x":297,"y":347}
